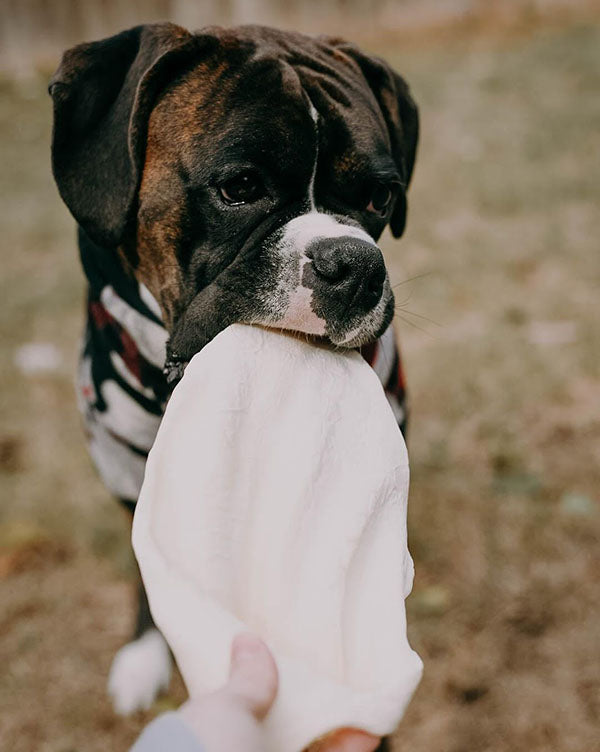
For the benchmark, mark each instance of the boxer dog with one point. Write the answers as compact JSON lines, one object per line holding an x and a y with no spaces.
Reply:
{"x":228,"y":175}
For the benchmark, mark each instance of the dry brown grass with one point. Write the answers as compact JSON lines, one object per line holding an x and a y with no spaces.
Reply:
{"x":505,"y":435}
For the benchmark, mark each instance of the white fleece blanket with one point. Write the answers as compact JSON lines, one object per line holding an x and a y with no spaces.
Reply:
{"x":274,"y":501}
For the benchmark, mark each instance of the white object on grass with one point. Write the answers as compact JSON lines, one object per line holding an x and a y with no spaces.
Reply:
{"x":37,"y":357}
{"x":274,"y":501}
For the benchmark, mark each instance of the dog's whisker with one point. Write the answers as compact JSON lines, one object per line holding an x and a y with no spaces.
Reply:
{"x":415,"y":326}
{"x":405,"y":301}
{"x":411,"y":279}
{"x":419,"y":315}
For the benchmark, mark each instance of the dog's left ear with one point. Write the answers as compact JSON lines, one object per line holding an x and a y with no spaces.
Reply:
{"x":401,"y":116}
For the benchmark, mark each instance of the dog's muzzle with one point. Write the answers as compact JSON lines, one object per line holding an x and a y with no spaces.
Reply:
{"x":311,"y":273}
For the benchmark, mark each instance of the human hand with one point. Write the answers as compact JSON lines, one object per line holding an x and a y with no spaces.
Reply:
{"x":230,"y":718}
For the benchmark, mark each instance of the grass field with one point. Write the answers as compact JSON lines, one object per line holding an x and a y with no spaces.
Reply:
{"x":499,"y":330}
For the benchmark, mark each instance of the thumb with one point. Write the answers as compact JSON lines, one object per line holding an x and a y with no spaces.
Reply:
{"x":253,"y":674}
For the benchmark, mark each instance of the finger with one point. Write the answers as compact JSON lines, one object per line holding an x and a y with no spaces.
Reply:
{"x":347,"y":740}
{"x":253,"y":675}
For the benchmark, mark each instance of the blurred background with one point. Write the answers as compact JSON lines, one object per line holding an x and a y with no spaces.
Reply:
{"x":498,"y":288}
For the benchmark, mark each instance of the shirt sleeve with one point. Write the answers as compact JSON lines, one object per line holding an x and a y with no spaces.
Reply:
{"x":167,"y":733}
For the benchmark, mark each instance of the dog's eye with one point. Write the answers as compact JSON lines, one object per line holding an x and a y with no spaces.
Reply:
{"x":242,"y":189}
{"x":381,"y":198}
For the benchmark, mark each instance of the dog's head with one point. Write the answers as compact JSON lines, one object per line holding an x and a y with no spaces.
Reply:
{"x":244,"y":174}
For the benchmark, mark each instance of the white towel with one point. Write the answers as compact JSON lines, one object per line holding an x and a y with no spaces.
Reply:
{"x":274,"y":501}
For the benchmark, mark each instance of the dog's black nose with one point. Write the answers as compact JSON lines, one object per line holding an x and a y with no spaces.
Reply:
{"x":350,"y":269}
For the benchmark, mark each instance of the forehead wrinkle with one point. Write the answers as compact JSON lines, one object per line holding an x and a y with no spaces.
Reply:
{"x":360,"y":124}
{"x":380,"y":166}
{"x":384,"y":168}
{"x":340,"y":84}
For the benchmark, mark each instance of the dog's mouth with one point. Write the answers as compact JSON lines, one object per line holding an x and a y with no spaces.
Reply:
{"x":175,"y":365}
{"x":373,"y":326}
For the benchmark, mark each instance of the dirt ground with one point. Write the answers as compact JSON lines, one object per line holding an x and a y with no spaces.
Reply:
{"x":497,"y":284}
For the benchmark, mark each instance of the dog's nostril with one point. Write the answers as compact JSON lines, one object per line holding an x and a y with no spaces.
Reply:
{"x":374,"y":283}
{"x":330,"y":269}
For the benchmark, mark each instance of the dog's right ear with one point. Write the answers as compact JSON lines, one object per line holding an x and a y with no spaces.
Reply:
{"x":103,"y":93}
